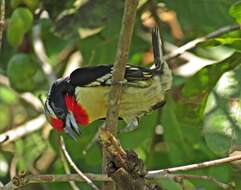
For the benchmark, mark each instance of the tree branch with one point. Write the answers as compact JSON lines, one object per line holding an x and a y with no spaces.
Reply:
{"x":121,"y":60}
{"x":18,"y":132}
{"x":192,"y":44}
{"x":23,"y":179}
{"x":123,"y":47}
{"x":193,"y":64}
{"x":159,"y":173}
{"x":67,"y":169}
{"x":180,"y":177}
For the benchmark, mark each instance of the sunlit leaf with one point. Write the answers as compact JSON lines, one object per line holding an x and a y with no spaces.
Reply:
{"x":3,"y":166}
{"x":235,"y":11}
{"x":222,"y":125}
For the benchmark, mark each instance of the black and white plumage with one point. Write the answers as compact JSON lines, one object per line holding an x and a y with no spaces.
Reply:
{"x":143,"y":91}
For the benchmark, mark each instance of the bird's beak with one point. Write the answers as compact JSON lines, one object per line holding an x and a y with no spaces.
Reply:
{"x":71,"y":126}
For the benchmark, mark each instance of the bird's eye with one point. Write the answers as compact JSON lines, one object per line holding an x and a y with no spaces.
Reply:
{"x":59,"y":112}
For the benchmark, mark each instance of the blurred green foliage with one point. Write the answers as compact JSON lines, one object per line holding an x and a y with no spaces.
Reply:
{"x":200,"y":121}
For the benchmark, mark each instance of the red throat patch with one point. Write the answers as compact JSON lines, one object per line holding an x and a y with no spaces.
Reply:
{"x":80,"y":114}
{"x":58,"y":124}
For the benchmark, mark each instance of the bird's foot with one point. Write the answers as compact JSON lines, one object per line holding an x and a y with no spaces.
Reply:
{"x":122,"y":82}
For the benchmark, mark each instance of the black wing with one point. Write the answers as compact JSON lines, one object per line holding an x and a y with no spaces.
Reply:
{"x":87,"y":75}
{"x":102,"y":75}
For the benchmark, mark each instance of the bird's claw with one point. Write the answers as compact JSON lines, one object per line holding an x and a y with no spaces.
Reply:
{"x":132,"y":124}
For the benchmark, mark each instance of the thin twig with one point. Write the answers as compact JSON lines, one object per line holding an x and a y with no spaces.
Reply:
{"x":92,"y":142}
{"x":20,"y":181}
{"x":178,"y":177}
{"x":68,"y":171}
{"x":34,"y":101}
{"x":66,"y":178}
{"x":192,"y":44}
{"x":72,"y":164}
{"x":158,"y":173}
{"x":2,"y":23}
{"x":193,"y":64}
{"x":27,"y":96}
{"x":23,"y":130}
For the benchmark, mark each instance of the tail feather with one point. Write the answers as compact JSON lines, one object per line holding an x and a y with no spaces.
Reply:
{"x":157,"y":49}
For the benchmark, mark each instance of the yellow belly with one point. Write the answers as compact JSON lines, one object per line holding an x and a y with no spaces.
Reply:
{"x":134,"y":101}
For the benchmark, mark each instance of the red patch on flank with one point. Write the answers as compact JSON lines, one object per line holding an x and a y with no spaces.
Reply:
{"x":57,"y":124}
{"x":79,"y":112}
{"x":70,"y":103}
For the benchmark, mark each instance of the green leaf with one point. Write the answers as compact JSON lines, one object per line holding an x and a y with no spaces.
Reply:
{"x":205,"y":80}
{"x":91,"y":15}
{"x":170,"y":184}
{"x":231,"y":42}
{"x":235,"y":11}
{"x":222,"y":124}
{"x":89,"y":160}
{"x":142,"y":134}
{"x":218,"y":133}
{"x":190,"y":14}
{"x":195,"y":91}
{"x":183,"y":115}
{"x":31,"y":79}
{"x":35,"y":145}
{"x":54,"y":44}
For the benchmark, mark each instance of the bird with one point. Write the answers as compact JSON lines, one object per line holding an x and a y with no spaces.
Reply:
{"x":82,"y":97}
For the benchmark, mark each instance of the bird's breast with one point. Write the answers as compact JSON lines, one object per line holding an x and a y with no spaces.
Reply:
{"x":135,"y":100}
{"x":93,"y":100}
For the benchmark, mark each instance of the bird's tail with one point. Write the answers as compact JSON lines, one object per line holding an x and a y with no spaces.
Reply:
{"x":157,"y":50}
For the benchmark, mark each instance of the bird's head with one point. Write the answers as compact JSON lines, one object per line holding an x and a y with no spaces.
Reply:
{"x":59,"y":108}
